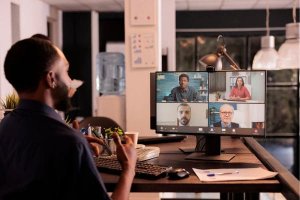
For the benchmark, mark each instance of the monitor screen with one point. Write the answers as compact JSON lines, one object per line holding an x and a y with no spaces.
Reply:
{"x":211,"y":103}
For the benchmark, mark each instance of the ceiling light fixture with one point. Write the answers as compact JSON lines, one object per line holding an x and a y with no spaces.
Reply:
{"x":266,"y":58}
{"x":289,"y":51}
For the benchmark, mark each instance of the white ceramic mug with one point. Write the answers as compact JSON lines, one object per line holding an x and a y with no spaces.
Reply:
{"x":134,"y":135}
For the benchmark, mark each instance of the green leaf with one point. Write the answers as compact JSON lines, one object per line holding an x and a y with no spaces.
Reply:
{"x":110,"y":131}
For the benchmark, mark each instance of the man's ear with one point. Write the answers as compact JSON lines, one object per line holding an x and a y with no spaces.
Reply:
{"x":50,"y":79}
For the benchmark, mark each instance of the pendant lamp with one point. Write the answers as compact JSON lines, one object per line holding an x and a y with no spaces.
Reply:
{"x":289,"y":51}
{"x":266,"y":58}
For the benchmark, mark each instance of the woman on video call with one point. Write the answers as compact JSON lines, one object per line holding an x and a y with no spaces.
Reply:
{"x":239,"y":91}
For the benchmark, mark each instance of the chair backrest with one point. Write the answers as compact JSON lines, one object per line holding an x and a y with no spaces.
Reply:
{"x":104,"y":122}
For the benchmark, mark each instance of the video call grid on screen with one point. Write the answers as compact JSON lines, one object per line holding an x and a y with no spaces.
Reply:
{"x":214,"y":91}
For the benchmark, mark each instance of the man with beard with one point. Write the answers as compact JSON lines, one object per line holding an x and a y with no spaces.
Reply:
{"x":40,"y":156}
{"x":72,"y":89}
{"x":226,"y":115}
{"x":183,"y":92}
{"x":183,"y":114}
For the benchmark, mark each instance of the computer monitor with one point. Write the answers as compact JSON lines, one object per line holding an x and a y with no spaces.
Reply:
{"x":152,"y":101}
{"x":211,"y":104}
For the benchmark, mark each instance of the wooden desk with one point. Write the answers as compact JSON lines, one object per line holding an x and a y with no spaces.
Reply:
{"x":171,"y":156}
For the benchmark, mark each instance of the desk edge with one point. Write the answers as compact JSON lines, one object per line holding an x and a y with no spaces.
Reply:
{"x":289,"y":182}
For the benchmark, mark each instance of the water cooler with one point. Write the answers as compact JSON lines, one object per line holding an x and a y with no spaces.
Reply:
{"x":110,"y":84}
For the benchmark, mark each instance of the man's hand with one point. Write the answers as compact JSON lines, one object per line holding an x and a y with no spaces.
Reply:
{"x":234,"y":97}
{"x":126,"y":153}
{"x":93,"y":141}
{"x":94,"y":144}
{"x":127,"y":157}
{"x":75,"y":124}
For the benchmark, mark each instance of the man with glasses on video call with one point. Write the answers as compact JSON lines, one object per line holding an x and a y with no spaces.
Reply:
{"x":226,"y":115}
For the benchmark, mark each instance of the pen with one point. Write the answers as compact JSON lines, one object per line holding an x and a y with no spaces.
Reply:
{"x":222,"y":173}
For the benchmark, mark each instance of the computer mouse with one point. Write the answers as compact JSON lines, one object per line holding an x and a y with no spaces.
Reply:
{"x":178,"y":173}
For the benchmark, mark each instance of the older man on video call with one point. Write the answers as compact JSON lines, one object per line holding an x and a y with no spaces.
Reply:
{"x":41,"y":157}
{"x":226,"y":115}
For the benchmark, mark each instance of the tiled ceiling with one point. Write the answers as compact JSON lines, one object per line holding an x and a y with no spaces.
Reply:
{"x":118,"y":5}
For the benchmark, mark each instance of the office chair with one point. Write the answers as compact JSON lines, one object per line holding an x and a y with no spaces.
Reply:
{"x":104,"y":122}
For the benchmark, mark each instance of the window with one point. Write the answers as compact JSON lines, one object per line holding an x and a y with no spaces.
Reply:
{"x":282,"y":86}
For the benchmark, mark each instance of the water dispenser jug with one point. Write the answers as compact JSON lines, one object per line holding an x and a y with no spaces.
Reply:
{"x":110,"y":73}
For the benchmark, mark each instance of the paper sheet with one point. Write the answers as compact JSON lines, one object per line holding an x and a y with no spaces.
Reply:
{"x":233,"y":174}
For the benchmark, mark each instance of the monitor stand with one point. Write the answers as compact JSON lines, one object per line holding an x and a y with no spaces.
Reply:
{"x":209,"y":148}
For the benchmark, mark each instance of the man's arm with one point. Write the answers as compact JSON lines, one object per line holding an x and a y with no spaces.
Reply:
{"x":127,"y":157}
{"x":196,"y":95}
{"x":232,"y":93}
{"x":93,"y":141}
{"x":172,"y":95}
{"x":247,"y":94}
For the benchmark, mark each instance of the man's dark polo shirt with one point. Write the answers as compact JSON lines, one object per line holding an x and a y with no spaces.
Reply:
{"x":42,"y":158}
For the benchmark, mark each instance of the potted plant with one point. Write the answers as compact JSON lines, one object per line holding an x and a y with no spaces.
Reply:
{"x":109,"y":132}
{"x":10,"y":102}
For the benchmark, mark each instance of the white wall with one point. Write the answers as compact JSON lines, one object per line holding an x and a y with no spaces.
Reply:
{"x":33,"y":19}
{"x":245,"y":114}
{"x":95,"y":51}
{"x":138,"y":79}
{"x":168,"y":31}
{"x":33,"y":14}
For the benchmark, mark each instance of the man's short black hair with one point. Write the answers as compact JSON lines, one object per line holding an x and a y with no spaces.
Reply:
{"x":27,"y":61}
{"x":41,"y":36}
{"x":184,"y":75}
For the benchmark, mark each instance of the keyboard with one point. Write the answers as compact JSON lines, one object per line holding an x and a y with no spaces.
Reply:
{"x":110,"y":164}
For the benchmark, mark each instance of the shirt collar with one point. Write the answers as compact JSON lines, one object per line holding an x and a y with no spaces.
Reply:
{"x":185,"y":90}
{"x":224,"y":126}
{"x":38,"y":107}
